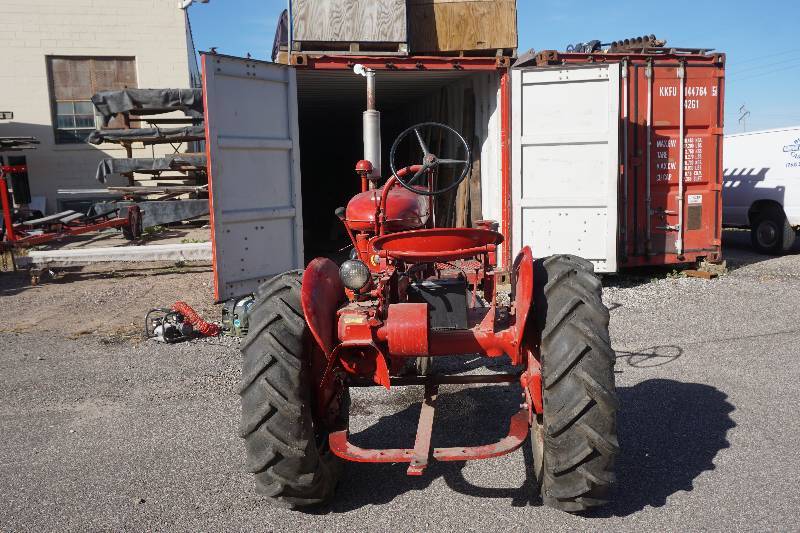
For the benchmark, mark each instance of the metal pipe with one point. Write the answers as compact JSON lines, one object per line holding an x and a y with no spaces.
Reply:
{"x":372,"y":129}
{"x":625,"y":120}
{"x":681,"y":170}
{"x":438,"y":379}
{"x":370,"y":90}
{"x":648,"y":185}
{"x":290,"y":29}
{"x":7,"y":219}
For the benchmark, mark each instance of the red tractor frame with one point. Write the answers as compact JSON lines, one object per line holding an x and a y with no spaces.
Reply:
{"x":412,"y":292}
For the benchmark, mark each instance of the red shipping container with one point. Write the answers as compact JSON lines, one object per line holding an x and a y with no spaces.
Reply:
{"x":670,"y":202}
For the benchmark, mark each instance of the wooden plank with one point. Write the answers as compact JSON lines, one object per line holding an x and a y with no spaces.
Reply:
{"x":151,"y":252}
{"x":702,"y":274}
{"x":349,"y":20}
{"x":456,"y":25}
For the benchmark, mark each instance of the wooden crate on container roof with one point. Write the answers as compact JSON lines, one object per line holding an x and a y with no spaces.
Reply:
{"x":448,"y":26}
{"x":349,"y":25}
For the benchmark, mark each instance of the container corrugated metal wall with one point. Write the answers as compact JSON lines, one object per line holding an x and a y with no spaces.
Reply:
{"x":669,"y":198}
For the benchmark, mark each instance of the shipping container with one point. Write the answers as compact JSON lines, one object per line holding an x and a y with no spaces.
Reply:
{"x":598,"y":168}
{"x":590,"y":150}
{"x":762,"y":186}
{"x":284,"y":140}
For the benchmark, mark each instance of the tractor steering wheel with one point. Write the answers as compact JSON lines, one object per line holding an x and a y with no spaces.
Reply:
{"x":430,"y":161}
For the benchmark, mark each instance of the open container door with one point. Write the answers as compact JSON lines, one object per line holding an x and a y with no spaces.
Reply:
{"x":566,"y":162}
{"x":252,"y":145}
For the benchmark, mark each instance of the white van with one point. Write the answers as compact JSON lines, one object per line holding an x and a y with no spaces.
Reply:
{"x":762,"y":187}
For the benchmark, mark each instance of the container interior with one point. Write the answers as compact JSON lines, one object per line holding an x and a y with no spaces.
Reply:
{"x":331,"y":104}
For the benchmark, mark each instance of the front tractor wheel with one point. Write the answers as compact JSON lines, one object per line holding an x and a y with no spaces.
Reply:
{"x":287,"y":449}
{"x":575,"y":441}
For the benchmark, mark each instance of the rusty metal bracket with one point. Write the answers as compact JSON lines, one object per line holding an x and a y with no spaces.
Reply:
{"x":420,"y":455}
{"x":422,"y":443}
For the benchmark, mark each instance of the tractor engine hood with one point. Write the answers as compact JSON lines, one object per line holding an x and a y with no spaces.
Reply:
{"x":404,"y":210}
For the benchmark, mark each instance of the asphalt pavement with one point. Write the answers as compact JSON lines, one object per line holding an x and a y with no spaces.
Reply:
{"x":103,"y":434}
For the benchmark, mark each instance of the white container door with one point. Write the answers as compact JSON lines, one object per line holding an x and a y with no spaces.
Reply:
{"x":253,"y":171}
{"x":565,"y":162}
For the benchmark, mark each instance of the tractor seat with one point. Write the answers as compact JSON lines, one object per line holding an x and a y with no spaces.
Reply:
{"x":404,"y":210}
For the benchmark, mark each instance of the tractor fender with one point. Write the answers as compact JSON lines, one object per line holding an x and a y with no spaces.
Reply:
{"x":523,"y":300}
{"x":321,"y":296}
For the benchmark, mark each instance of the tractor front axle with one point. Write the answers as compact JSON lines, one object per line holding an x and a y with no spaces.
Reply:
{"x":419,"y":456}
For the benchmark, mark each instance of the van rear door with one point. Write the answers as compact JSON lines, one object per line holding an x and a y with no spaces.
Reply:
{"x":252,"y":145}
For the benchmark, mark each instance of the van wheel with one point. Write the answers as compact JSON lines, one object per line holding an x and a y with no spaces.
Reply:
{"x":771,"y":233}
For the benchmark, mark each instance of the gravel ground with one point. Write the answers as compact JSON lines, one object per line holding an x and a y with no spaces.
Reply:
{"x":100,"y":432}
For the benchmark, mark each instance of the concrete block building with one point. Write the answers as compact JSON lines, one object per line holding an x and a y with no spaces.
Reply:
{"x":55,"y":54}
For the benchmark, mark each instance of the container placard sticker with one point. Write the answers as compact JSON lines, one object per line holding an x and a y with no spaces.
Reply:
{"x":695,"y":199}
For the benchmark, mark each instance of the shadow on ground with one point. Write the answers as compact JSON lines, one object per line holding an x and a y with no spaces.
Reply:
{"x":670,"y":432}
{"x":737,"y":252}
{"x":16,"y":282}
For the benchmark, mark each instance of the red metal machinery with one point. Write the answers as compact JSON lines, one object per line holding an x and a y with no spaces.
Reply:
{"x":670,"y":199}
{"x":411,"y":293}
{"x":27,"y":233}
{"x":501,"y":64}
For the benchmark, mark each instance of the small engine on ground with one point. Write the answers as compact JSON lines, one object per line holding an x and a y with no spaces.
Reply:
{"x":167,"y":325}
{"x":235,"y":316}
{"x":178,"y":324}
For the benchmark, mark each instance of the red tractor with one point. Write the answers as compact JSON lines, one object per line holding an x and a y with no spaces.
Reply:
{"x":412,"y":292}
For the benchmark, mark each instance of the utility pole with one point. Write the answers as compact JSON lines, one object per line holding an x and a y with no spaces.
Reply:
{"x":743,"y":114}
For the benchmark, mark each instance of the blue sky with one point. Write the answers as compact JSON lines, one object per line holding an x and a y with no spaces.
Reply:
{"x":758,"y":36}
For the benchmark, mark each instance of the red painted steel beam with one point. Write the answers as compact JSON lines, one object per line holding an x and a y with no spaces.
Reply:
{"x":13,"y":168}
{"x":466,"y":341}
{"x":343,"y":448}
{"x":471,"y":379}
{"x":413,"y":63}
{"x":505,"y":154}
{"x":422,"y":442}
{"x":7,"y":220}
{"x":517,"y":433}
{"x":67,"y":232}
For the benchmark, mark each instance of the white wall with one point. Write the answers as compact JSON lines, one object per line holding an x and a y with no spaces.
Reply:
{"x":152,"y":31}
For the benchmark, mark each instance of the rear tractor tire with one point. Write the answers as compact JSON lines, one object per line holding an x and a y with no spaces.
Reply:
{"x":287,"y":449}
{"x":574,"y":443}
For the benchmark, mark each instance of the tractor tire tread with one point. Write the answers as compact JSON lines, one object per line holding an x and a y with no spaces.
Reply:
{"x":580,"y":403}
{"x":277,"y":425}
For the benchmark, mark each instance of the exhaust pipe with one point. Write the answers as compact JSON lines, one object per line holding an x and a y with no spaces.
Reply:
{"x":372,"y":125}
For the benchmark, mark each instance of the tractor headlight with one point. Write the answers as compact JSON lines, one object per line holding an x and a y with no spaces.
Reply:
{"x":355,"y":274}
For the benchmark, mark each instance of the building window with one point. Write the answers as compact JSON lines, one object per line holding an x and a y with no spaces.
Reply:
{"x":73,"y":82}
